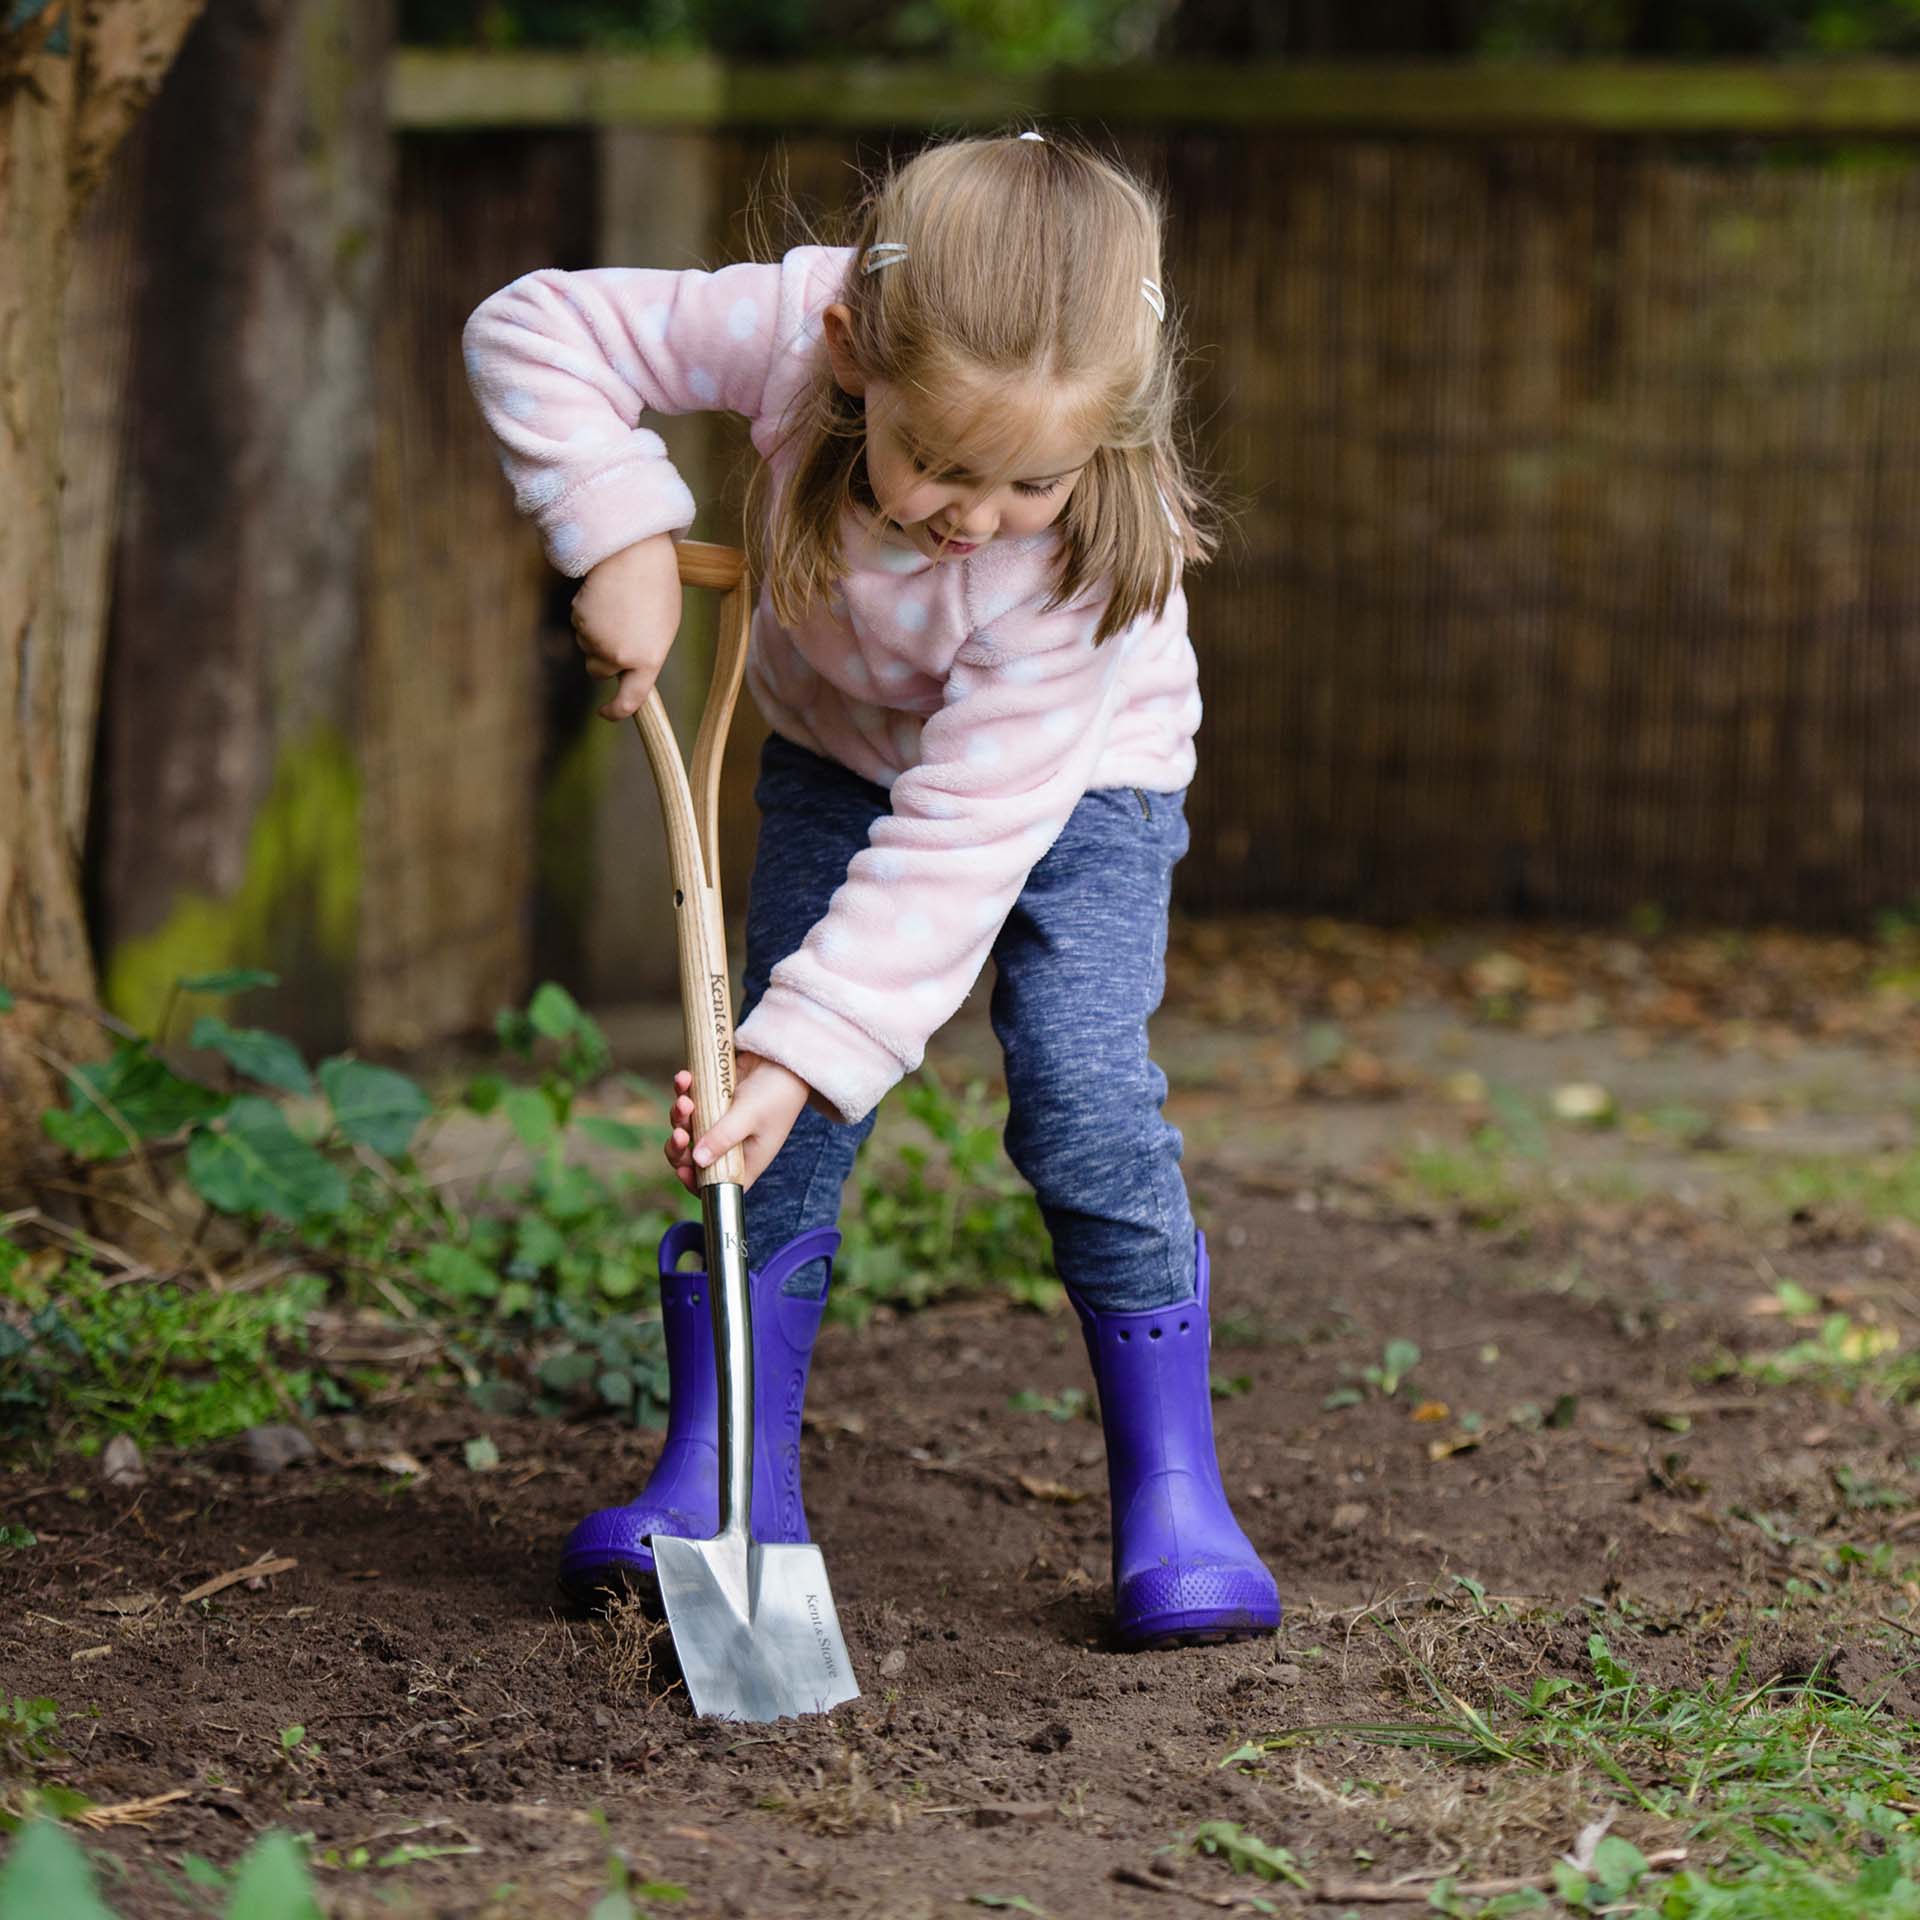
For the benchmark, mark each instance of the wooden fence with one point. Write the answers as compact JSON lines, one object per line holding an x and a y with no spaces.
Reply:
{"x":1573,"y":419}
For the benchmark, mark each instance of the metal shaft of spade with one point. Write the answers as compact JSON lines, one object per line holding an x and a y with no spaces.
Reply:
{"x":722,"y":1205}
{"x":754,"y":1625}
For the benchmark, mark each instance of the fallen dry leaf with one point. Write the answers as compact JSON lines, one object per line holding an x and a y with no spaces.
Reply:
{"x":1052,"y":1490}
{"x":1429,"y":1410}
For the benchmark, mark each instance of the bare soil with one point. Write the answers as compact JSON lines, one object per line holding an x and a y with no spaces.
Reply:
{"x":1001,"y":1747}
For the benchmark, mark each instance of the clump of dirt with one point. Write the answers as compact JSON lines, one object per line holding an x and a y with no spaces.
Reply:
{"x":1550,"y":1466}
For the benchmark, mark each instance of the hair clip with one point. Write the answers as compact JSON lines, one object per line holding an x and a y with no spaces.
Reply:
{"x":1150,"y":292}
{"x":883,"y":253}
{"x":1031,"y":135}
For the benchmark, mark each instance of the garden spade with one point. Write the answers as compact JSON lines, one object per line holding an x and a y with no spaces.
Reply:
{"x":753,"y":1626}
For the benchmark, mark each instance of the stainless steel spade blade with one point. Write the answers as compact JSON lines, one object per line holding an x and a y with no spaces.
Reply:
{"x":754,"y":1626}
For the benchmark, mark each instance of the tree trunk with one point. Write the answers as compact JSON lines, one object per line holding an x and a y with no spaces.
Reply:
{"x":68,"y":91}
{"x":229,"y":831}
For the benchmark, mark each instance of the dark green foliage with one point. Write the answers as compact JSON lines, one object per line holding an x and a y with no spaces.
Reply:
{"x":947,"y":1217}
{"x":535,"y":1283}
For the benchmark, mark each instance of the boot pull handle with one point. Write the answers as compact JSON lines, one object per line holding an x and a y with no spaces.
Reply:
{"x":690,"y":812}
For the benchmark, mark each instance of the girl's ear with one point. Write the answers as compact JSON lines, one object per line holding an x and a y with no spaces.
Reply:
{"x":836,"y":326}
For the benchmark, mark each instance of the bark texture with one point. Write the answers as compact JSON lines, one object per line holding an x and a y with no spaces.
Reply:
{"x":72,"y":80}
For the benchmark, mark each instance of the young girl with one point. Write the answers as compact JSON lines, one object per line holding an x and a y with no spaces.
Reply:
{"x":971,"y":646}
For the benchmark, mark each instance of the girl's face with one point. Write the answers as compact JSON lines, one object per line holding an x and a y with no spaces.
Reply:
{"x":1000,"y":464}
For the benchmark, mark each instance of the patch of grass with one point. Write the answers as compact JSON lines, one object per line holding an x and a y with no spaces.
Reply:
{"x":1475,"y":1180}
{"x":84,"y":1351}
{"x":1882,"y":1187}
{"x":1780,"y":1788}
{"x":1837,"y":1352}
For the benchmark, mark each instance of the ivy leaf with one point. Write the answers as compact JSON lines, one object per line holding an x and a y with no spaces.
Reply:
{"x":374,"y":1106}
{"x":47,"y":1873}
{"x":483,"y":1092}
{"x":514,"y":1030}
{"x":459,"y":1272}
{"x":249,"y":1160}
{"x":537,"y":1244}
{"x":569,"y":1368}
{"x":267,"y":1057}
{"x":1619,"y":1864}
{"x":140,"y":1088}
{"x":554,"y":1012}
{"x":532,"y":1115}
{"x":234,"y":980}
{"x":271,"y":1883}
{"x":6,"y":1001}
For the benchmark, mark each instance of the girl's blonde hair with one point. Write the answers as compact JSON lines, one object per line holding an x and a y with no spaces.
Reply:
{"x":1022,"y":258}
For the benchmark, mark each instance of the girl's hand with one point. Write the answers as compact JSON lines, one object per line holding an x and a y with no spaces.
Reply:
{"x":624,"y":618}
{"x":767,"y":1101}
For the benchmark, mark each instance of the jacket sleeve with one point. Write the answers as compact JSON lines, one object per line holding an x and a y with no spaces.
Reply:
{"x":1001,"y":767}
{"x":565,"y":365}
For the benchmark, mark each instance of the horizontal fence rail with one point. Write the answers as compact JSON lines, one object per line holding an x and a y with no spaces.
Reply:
{"x":435,"y":89}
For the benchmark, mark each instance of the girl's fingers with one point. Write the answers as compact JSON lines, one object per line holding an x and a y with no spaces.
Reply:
{"x":635,"y":684}
{"x":721,"y":1138}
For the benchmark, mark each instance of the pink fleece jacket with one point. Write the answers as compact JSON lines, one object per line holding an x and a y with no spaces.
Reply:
{"x":950,"y":683}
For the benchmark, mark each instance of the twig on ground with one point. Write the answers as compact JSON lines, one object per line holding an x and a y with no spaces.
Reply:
{"x":262,"y":1569}
{"x":128,"y":1813}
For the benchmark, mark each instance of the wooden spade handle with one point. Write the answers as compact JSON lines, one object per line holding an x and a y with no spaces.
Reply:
{"x":691,"y":813}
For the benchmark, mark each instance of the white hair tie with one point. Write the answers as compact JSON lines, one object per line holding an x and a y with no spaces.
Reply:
{"x":1035,"y":136}
{"x":1150,"y":292}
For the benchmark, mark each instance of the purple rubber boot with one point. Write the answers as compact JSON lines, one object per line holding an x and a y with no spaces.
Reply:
{"x":1182,"y":1569}
{"x":610,"y":1549}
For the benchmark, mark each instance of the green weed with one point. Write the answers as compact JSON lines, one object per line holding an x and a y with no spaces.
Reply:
{"x":535,"y":1282}
{"x":1841,"y":1354}
{"x":1778,"y":1788}
{"x":47,"y":1874}
{"x":1068,"y":1404}
{"x":1244,"y":1852}
{"x":946,"y":1215}
{"x":1398,"y":1358}
{"x":1475,"y":1179}
{"x":81,"y":1350}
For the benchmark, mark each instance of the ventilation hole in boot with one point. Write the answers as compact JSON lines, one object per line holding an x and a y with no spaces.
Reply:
{"x":693,"y":1299}
{"x":1183,"y":1326}
{"x":1124,"y":1335}
{"x":1154,"y":1333}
